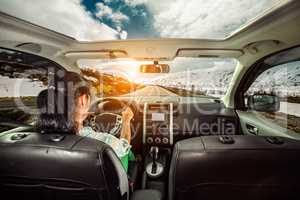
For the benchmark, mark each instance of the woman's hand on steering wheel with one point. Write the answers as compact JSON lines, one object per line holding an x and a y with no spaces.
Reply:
{"x":127,"y":115}
{"x":107,"y":113}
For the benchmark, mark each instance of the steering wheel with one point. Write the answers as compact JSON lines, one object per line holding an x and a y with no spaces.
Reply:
{"x":107,"y":115}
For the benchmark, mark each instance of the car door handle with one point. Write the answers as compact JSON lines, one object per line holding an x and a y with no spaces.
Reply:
{"x":252,"y":129}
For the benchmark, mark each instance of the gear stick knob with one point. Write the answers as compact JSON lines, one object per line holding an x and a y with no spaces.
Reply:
{"x":154,"y":169}
{"x":154,"y":155}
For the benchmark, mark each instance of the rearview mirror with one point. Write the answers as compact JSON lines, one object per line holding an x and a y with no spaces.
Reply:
{"x":263,"y":103}
{"x":154,"y":68}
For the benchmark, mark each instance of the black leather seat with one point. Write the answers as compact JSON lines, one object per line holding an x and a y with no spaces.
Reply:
{"x":52,"y":166}
{"x":241,"y":167}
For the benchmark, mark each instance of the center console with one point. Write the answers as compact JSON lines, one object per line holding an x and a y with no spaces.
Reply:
{"x":157,"y":140}
{"x":158,"y":124}
{"x":156,"y":170}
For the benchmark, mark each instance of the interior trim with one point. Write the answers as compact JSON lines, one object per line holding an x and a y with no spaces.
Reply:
{"x":171,"y":123}
{"x":144,"y":122}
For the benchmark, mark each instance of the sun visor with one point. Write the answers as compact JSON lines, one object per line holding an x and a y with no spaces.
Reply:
{"x":101,"y":54}
{"x":215,"y":53}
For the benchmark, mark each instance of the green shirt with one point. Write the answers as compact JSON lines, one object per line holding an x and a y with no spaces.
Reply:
{"x":120,"y":146}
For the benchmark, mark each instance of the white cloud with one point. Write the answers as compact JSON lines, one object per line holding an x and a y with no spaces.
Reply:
{"x":123,"y":35}
{"x":119,"y":17}
{"x":104,"y":11}
{"x":68,"y":17}
{"x":202,"y":18}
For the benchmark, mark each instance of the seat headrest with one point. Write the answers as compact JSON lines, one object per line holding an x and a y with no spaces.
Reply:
{"x":62,"y":161}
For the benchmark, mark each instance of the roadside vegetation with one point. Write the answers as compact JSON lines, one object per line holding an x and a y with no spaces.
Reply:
{"x":104,"y":85}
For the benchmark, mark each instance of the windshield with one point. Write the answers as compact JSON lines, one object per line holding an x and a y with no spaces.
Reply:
{"x":187,"y":77}
{"x":87,"y":20}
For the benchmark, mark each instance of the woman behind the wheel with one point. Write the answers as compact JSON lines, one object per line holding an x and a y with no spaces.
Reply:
{"x":64,"y":107}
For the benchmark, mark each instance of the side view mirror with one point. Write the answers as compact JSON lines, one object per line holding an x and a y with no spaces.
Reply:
{"x":155,"y":68}
{"x":263,"y":103}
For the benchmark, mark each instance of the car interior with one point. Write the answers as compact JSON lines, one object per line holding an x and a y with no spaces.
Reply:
{"x":240,"y":142}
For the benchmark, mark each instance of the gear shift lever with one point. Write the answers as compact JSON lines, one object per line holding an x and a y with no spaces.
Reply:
{"x":154,"y":154}
{"x":154,"y":169}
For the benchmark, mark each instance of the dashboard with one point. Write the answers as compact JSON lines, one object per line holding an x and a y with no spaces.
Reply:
{"x":162,"y":121}
{"x":166,"y":123}
{"x":158,"y":124}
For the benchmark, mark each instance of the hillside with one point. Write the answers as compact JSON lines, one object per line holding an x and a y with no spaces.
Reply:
{"x":205,"y":82}
{"x":283,"y":81}
{"x":108,"y":85}
{"x":280,"y":80}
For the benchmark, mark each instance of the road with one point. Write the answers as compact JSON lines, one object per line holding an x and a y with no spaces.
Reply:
{"x":151,"y":90}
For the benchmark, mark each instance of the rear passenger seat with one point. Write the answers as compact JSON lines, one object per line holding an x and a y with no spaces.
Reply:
{"x":235,"y":167}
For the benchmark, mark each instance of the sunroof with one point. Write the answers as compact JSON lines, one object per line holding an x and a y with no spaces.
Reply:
{"x":89,"y":20}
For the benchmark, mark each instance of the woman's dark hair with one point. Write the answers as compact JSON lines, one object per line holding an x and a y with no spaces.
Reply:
{"x":56,"y":104}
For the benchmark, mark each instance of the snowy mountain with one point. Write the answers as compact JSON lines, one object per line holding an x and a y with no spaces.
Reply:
{"x":210,"y":82}
{"x":284,"y":80}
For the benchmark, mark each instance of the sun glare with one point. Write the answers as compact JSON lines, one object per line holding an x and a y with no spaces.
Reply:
{"x":131,"y":68}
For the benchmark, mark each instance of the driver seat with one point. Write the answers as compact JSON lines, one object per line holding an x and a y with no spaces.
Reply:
{"x":59,"y":166}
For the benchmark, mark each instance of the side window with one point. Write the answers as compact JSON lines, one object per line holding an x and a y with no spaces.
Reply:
{"x":22,"y":77}
{"x":276,"y":93}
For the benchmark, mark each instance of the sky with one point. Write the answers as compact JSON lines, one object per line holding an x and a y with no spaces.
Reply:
{"x":89,"y":20}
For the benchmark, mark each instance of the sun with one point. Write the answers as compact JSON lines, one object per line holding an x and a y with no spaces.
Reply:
{"x":132,"y":69}
{"x":133,"y":75}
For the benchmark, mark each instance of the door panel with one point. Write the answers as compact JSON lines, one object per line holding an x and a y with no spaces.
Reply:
{"x":264,"y":126}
